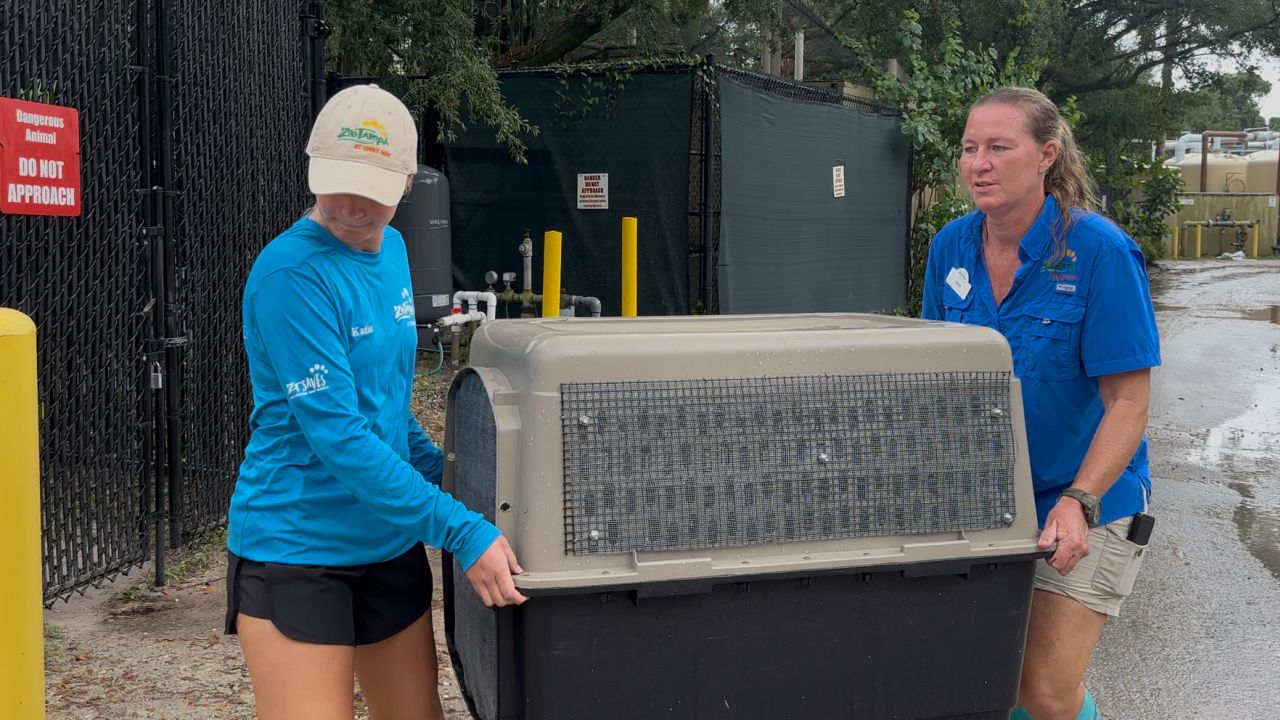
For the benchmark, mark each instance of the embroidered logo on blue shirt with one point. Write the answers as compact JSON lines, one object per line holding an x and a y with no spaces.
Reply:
{"x":314,"y":383}
{"x":1064,"y":264}
{"x":405,"y":311}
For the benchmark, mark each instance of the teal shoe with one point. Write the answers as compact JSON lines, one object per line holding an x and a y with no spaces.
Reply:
{"x":1089,"y":711}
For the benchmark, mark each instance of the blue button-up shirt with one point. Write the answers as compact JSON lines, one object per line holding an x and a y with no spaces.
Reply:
{"x":1068,"y":320}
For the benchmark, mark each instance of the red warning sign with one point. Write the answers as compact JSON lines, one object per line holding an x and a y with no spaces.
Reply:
{"x":39,"y":159}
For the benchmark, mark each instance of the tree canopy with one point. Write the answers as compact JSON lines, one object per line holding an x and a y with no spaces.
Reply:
{"x":1139,"y":69}
{"x":1128,"y":73}
{"x":1224,"y":102}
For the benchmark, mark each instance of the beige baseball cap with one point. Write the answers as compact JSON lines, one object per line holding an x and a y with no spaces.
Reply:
{"x":364,"y":142}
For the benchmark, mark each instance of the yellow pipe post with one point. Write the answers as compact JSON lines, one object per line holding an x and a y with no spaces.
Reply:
{"x":1199,"y":230}
{"x":551,"y":274}
{"x":21,"y":602}
{"x":1174,"y":252}
{"x":629,"y":266}
{"x":1255,"y":242}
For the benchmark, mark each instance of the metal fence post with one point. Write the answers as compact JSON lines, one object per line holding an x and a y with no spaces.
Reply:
{"x":314,"y":32}
{"x":21,"y":607}
{"x":708,"y":222}
{"x":173,"y":341}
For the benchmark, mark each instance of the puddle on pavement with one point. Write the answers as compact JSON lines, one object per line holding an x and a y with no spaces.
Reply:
{"x":1215,"y":443}
{"x":1259,"y":528}
{"x":1247,"y":442}
{"x":1244,"y":488}
{"x":1159,"y":283}
{"x":1264,"y":314}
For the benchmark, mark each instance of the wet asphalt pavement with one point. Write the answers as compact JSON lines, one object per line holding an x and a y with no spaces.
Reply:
{"x":1200,"y":637}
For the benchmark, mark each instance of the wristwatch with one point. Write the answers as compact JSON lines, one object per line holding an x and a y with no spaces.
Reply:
{"x":1091,"y":505}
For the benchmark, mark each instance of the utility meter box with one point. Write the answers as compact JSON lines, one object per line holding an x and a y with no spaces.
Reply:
{"x":800,"y":516}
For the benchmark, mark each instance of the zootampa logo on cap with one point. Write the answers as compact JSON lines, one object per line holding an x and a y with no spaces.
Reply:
{"x":371,"y":131}
{"x":364,"y":142}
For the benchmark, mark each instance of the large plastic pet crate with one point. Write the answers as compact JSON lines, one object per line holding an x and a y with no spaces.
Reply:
{"x":802,"y":516}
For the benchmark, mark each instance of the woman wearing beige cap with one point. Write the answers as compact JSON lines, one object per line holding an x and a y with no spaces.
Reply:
{"x":327,"y":576}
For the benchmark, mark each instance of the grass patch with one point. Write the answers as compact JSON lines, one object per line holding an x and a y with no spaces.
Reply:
{"x":53,"y":641}
{"x":132,"y":593}
{"x":196,"y":556}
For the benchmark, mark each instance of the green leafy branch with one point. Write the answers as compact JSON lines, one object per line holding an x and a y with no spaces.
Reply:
{"x":943,"y":78}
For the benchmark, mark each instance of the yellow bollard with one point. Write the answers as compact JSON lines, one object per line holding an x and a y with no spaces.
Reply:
{"x":629,"y":267}
{"x":551,"y":274}
{"x":1199,"y":228}
{"x":21,"y":601}
{"x":1255,"y":242}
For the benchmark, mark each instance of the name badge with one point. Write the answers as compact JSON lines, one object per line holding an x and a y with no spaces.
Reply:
{"x":958,"y":280}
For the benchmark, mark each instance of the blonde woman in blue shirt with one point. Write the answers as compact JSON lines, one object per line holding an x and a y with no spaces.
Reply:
{"x":1068,"y":289}
{"x":327,"y":575}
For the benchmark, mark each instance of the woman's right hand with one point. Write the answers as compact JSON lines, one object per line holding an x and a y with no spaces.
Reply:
{"x":490,"y":576}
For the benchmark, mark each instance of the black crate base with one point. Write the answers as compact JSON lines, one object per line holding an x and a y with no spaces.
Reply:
{"x":885,"y":644}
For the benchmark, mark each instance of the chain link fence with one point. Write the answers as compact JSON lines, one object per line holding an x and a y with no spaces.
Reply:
{"x":193,"y":118}
{"x":239,"y":176}
{"x":84,"y":282}
{"x":783,"y":88}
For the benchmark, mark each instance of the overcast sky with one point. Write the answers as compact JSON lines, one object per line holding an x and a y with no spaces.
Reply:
{"x":1270,"y":104}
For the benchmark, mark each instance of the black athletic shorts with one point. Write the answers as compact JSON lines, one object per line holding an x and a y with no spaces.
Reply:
{"x":358,"y":605}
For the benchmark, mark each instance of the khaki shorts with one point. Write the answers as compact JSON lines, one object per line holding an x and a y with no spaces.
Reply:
{"x":1104,"y":578}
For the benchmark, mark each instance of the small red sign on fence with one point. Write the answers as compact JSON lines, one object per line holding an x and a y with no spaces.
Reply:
{"x":39,"y":159}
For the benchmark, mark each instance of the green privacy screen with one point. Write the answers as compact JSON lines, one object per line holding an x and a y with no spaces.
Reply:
{"x":778,"y":238}
{"x":632,"y":129}
{"x":787,"y":243}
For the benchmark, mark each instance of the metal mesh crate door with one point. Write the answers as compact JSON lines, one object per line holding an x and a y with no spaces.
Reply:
{"x":683,"y":464}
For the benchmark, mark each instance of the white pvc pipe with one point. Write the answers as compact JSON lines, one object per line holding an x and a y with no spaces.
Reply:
{"x":462,"y":318}
{"x":593,"y":304}
{"x":489,"y":299}
{"x":798,"y":64}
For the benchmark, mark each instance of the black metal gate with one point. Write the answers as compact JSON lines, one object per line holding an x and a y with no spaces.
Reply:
{"x":193,"y":118}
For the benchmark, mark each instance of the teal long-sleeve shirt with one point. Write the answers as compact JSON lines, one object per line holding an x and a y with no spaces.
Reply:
{"x":337,"y":470}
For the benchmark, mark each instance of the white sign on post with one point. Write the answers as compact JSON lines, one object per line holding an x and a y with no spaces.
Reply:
{"x":837,"y":180}
{"x":593,"y":191}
